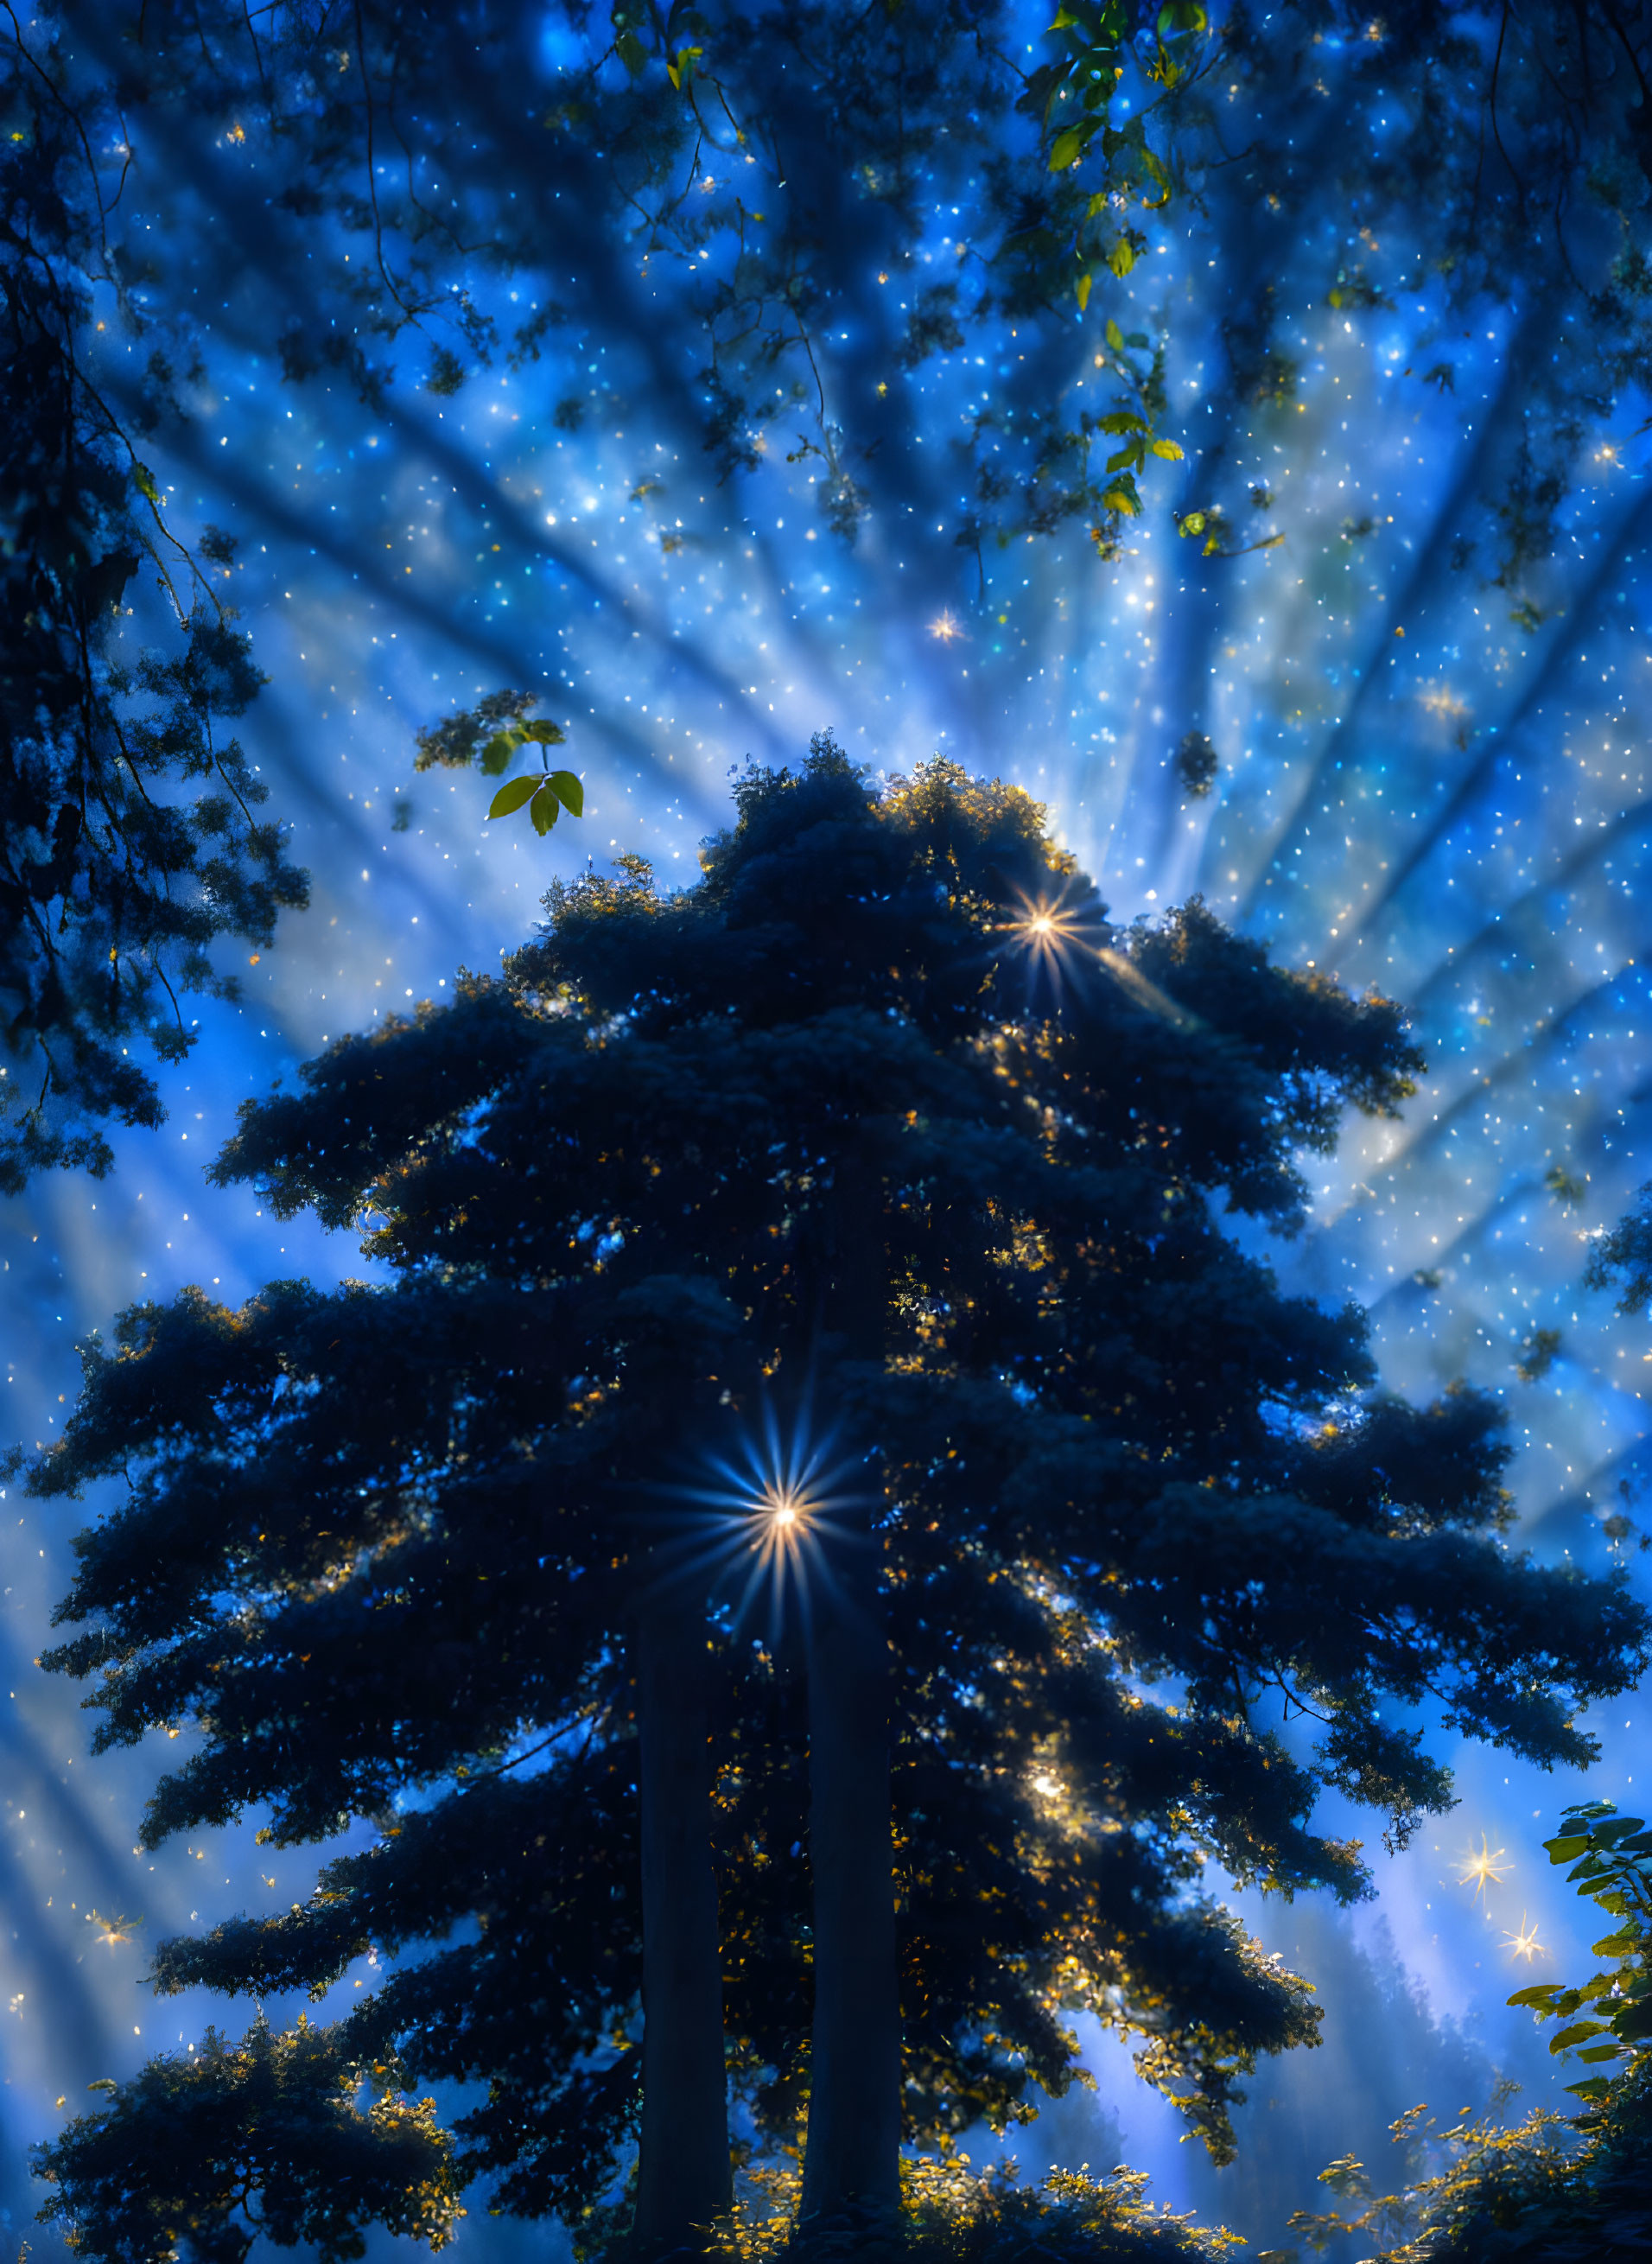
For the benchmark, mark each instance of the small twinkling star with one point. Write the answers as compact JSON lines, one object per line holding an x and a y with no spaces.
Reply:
{"x":1525,"y":1943}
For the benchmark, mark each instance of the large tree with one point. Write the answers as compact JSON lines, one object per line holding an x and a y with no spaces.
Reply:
{"x":883,"y":1124}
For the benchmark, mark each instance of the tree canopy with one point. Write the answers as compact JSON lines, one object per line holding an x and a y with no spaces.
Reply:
{"x":883,"y":1129}
{"x":903,"y":245}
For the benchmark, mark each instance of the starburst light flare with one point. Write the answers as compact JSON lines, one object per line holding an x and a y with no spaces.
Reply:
{"x":1057,"y":941}
{"x":1486,"y":1868}
{"x":775,"y":1511}
{"x":1525,"y":1943}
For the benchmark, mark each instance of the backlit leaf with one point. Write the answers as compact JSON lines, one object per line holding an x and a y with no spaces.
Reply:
{"x":511,"y":797}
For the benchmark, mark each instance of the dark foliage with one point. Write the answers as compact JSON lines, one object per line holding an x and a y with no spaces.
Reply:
{"x":385,"y":1545}
{"x":804,"y":226}
{"x":129,"y":832}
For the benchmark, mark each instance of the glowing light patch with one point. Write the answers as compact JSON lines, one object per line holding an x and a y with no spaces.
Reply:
{"x":1525,"y":1943}
{"x":1487,"y":1867}
{"x":774,"y":1511}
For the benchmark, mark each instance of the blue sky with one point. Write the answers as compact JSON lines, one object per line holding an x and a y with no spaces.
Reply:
{"x":1417,"y":791}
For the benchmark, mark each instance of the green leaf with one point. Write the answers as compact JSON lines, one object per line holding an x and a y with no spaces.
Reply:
{"x":1541,"y":1999}
{"x":1081,"y":291}
{"x":144,"y":479}
{"x":569,"y":790}
{"x":1121,"y":420}
{"x":545,"y":808}
{"x":1576,"y":2034}
{"x":1193,"y":523}
{"x":1121,"y":495}
{"x":543,"y":733}
{"x":510,"y":798}
{"x":1129,"y":457}
{"x":1562,"y":1851}
{"x":1624,"y":1944}
{"x":1593,"y":2086}
{"x":1115,"y":336}
{"x":496,"y":756}
{"x":1068,"y":146}
{"x":632,"y":52}
{"x":1169,"y":450}
{"x":1633,"y":2023}
{"x":1600,"y":2052}
{"x":1616,"y":1828}
{"x":1121,"y":257}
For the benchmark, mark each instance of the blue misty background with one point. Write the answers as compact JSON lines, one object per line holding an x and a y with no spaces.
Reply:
{"x":1417,"y":791}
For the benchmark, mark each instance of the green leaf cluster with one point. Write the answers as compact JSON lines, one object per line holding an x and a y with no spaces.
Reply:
{"x":1607,"y":2020}
{"x":953,"y":2213}
{"x":279,"y":2114}
{"x":1074,"y":93}
{"x":1478,"y":2191}
{"x":489,"y":735}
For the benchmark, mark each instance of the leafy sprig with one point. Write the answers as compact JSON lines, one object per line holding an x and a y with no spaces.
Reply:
{"x":544,"y":795}
{"x":488,"y":736}
{"x":1607,"y":2020}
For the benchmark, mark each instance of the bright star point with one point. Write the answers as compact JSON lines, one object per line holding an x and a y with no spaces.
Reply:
{"x":1486,"y":1869}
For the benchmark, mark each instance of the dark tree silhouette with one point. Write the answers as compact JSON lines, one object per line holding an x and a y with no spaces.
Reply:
{"x":130,"y":837}
{"x":1069,"y":1515}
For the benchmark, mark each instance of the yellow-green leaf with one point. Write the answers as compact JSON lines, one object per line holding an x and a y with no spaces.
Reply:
{"x":1577,"y":2032}
{"x":545,"y":808}
{"x":511,"y":797}
{"x":1069,"y":149}
{"x":569,"y":791}
{"x":1115,"y":336}
{"x":1169,"y":450}
{"x":1082,"y":292}
{"x":1121,"y":258}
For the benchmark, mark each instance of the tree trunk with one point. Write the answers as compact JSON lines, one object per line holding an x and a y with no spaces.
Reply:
{"x":852,"y":2160}
{"x":683,"y":2175}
